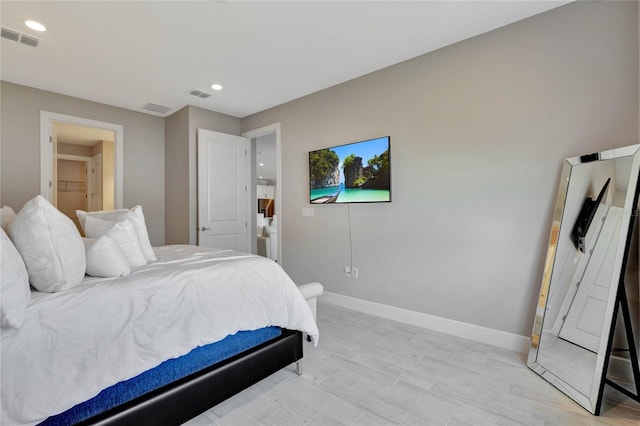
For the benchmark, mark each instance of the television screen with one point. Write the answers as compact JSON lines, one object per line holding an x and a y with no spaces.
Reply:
{"x":358,"y":172}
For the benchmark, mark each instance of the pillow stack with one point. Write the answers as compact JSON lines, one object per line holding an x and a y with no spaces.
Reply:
{"x":42,"y":247}
{"x":122,"y":233}
{"x":126,"y":226}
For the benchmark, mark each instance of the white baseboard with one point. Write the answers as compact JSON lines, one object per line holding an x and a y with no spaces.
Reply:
{"x":512,"y":342}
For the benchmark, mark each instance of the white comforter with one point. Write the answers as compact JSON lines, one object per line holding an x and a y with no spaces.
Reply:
{"x":77,"y":342}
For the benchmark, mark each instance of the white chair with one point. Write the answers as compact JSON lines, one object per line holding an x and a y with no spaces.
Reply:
{"x":311,"y":292}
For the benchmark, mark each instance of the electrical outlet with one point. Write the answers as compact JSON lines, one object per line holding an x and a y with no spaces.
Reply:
{"x":350,"y":272}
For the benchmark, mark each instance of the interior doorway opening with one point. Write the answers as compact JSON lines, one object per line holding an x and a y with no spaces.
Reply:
{"x":80,"y":159}
{"x":267,"y":199}
{"x":83,"y":174}
{"x":266,"y":183}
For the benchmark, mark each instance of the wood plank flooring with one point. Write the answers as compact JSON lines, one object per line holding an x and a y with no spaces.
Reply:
{"x":368,"y":371}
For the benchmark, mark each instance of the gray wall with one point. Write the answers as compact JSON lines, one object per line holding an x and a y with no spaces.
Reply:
{"x":176,"y":177}
{"x":181,"y":179}
{"x":478,"y":131}
{"x":143,"y":173}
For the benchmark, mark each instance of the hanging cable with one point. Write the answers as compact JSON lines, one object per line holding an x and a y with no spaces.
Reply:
{"x":350,"y":241}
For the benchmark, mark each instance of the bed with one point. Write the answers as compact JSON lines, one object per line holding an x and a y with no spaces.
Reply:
{"x":76,"y":343}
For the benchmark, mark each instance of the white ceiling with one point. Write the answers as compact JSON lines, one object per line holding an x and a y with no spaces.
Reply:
{"x":264,"y":53}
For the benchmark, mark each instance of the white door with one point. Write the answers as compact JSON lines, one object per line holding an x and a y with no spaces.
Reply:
{"x":222,"y":191}
{"x":95,"y":184}
{"x":585,"y":318}
{"x":574,"y":272}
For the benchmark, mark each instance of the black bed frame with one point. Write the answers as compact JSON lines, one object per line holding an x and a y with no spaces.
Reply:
{"x":184,"y":399}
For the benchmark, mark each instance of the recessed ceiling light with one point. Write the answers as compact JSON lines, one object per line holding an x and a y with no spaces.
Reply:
{"x":216,"y":86}
{"x":261,"y":164}
{"x":35,"y":26}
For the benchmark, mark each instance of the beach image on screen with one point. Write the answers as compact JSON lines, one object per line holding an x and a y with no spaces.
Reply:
{"x":354,"y":173}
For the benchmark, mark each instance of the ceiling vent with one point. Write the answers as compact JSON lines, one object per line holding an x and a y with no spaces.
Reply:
{"x":21,"y":38}
{"x":156,"y":108}
{"x":10,"y":34}
{"x":200,"y":94}
{"x":29,"y":41}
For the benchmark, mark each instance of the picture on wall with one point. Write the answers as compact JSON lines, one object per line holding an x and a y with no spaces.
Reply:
{"x":358,"y":172}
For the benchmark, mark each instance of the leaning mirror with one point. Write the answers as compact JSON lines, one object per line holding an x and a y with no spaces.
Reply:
{"x":589,"y":242}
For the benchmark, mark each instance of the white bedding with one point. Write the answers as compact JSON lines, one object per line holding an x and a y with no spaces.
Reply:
{"x":76,"y":342}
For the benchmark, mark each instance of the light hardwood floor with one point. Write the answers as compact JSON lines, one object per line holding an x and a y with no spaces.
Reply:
{"x":368,"y":370}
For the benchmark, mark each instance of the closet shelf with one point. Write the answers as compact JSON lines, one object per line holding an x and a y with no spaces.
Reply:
{"x":72,"y":186}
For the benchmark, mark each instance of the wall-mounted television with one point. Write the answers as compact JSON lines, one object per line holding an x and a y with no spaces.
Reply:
{"x":358,"y":172}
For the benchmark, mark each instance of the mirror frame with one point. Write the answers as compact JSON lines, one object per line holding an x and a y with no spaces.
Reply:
{"x":593,"y":401}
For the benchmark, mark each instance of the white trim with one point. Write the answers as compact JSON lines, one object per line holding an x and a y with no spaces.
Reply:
{"x":46,"y":156}
{"x":502,"y":339}
{"x":262,"y":131}
{"x":193,"y":188}
{"x":46,"y":150}
{"x":90,"y":183}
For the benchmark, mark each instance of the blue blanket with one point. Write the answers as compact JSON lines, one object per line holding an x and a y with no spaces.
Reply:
{"x":167,"y":372}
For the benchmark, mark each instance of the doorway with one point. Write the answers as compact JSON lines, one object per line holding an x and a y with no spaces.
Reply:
{"x":98,"y":144}
{"x":266,"y":184}
{"x":266,"y":150}
{"x":80,"y":182}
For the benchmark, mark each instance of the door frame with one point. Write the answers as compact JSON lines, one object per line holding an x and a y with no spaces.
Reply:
{"x":47,"y":119}
{"x":256,"y":133}
{"x":90,"y":181}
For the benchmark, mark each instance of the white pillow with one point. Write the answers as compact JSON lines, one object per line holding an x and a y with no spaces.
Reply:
{"x":50,"y":246}
{"x":105,"y":258}
{"x":14,"y":285}
{"x":122,"y":233}
{"x":134,"y":215}
{"x":6,"y":217}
